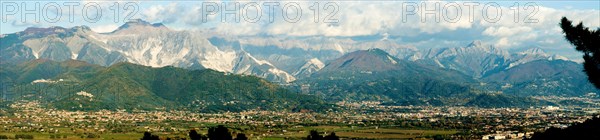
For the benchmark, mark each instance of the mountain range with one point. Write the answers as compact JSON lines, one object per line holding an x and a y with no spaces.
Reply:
{"x":332,"y":69}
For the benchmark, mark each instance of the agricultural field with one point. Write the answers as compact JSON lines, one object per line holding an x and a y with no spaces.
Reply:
{"x":294,"y":133}
{"x":368,"y":132}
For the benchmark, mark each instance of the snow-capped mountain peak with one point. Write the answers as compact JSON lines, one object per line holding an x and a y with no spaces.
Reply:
{"x":558,"y":57}
{"x":534,"y":51}
{"x":479,"y":46}
{"x":532,"y":54}
{"x":219,"y":60}
{"x":311,"y":66}
{"x":247,"y":64}
{"x":475,"y":43}
{"x":316,"y":62}
{"x":138,"y":26}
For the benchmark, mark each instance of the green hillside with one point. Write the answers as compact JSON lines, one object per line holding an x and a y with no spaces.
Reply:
{"x":131,"y":86}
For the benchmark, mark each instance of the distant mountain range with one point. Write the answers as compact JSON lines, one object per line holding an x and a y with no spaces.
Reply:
{"x":332,"y":69}
{"x":377,"y":76}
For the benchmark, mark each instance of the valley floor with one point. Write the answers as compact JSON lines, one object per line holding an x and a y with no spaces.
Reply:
{"x":354,"y":120}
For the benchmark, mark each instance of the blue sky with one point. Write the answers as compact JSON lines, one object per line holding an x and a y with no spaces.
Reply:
{"x":356,"y":19}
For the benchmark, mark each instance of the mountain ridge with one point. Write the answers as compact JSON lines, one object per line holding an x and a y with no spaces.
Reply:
{"x":137,"y":26}
{"x":382,"y":64}
{"x":129,"y":86}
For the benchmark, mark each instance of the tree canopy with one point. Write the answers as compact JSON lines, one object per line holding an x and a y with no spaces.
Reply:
{"x":588,"y":42}
{"x":587,"y":130}
{"x":314,"y":135}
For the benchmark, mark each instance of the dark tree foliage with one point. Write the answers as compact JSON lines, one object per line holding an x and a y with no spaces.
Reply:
{"x":219,"y":133}
{"x":149,"y":136}
{"x":314,"y":135}
{"x":195,"y":136}
{"x":332,"y":136}
{"x":214,"y":133}
{"x":588,"y":42}
{"x":23,"y":136}
{"x":588,"y":130}
{"x":241,"y":136}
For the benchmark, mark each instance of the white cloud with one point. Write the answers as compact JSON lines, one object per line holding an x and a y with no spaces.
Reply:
{"x":104,"y":28}
{"x":162,"y":13}
{"x":361,"y":18}
{"x":367,"y":18}
{"x":504,"y":42}
{"x":503,"y":31}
